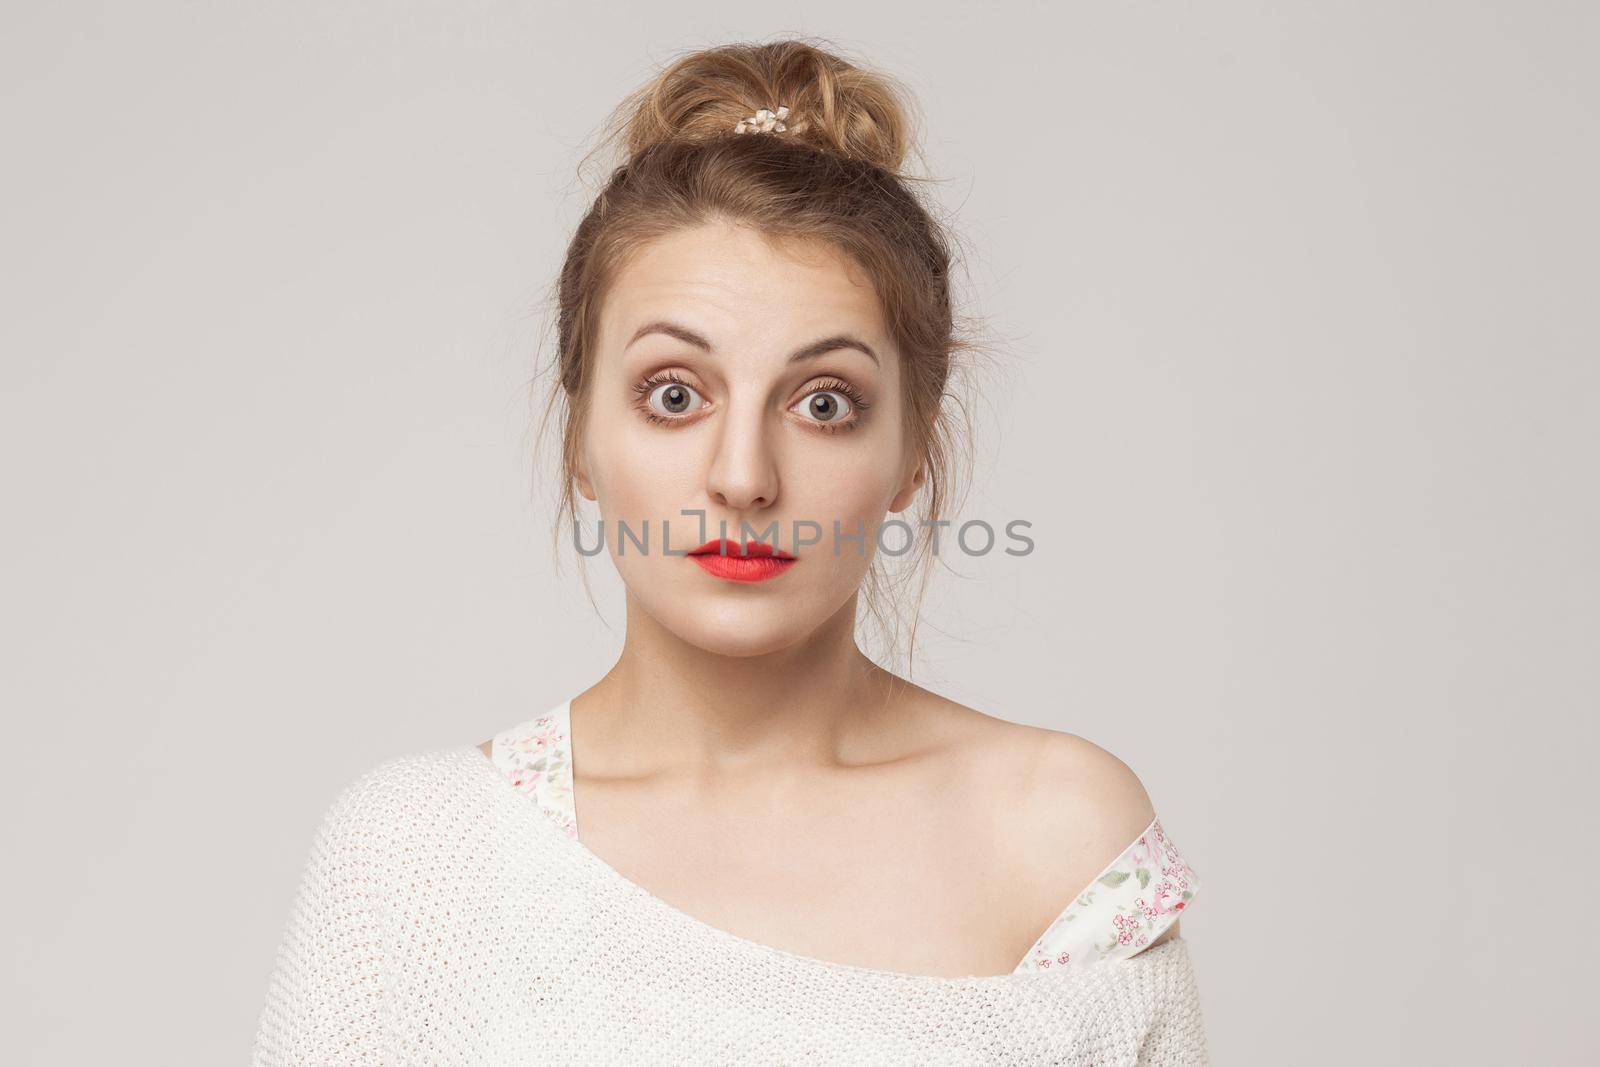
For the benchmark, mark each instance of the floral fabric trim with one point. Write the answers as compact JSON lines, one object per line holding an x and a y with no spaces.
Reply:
{"x":1128,"y":906}
{"x":535,"y":757}
{"x":1120,"y":913}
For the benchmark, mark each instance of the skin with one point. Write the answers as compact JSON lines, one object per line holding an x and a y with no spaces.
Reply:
{"x":743,"y":760}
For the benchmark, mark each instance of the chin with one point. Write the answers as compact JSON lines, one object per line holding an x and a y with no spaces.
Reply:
{"x":737,"y":631}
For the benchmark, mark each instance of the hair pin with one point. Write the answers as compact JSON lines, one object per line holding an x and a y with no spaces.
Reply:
{"x":764,"y":121}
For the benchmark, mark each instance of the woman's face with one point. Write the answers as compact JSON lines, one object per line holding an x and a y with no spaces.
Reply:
{"x":700,"y":404}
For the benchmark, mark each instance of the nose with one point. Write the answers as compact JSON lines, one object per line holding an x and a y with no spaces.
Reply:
{"x":744,"y":472}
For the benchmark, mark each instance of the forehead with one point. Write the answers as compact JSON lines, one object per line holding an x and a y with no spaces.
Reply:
{"x":730,"y":281}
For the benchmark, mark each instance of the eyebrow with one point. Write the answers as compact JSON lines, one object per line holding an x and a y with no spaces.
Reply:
{"x":810,"y":351}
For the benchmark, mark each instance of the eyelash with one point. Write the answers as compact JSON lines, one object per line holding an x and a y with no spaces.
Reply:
{"x":858,"y":402}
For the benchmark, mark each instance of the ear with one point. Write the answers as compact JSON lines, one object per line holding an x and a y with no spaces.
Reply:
{"x":581,"y":477}
{"x":908,"y":489}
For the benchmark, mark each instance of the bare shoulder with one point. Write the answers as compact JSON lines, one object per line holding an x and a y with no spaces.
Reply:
{"x":1077,"y":791}
{"x":1058,"y":783}
{"x":1061,"y":792}
{"x":1054,"y":786}
{"x":1075,"y":808}
{"x":487,"y":748}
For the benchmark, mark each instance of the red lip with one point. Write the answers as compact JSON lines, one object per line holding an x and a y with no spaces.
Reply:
{"x":751,"y":549}
{"x":758,"y":563}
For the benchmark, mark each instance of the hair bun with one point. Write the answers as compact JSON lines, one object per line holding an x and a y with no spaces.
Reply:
{"x":834,"y":105}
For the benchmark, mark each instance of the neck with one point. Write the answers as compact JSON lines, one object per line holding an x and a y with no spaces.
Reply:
{"x":671,"y":707}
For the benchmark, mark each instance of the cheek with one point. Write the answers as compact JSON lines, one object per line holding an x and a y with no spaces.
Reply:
{"x":635,"y":478}
{"x":847,"y":482}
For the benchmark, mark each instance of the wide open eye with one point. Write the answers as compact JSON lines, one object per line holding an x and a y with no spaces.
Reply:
{"x":672,"y":398}
{"x":832,"y":405}
{"x":826,"y":405}
{"x":666,"y":398}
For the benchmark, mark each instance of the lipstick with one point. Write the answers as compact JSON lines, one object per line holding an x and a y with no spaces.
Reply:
{"x":754,"y":561}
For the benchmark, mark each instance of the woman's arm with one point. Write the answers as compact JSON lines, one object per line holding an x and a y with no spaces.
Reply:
{"x":326,"y":990}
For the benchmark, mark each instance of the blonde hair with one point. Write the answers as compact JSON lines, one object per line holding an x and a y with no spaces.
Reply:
{"x":834,"y":175}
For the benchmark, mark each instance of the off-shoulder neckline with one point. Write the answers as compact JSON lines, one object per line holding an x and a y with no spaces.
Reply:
{"x":603,"y":869}
{"x":598,"y":866}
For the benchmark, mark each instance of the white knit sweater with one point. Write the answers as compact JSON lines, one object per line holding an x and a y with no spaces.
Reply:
{"x":442,"y":919}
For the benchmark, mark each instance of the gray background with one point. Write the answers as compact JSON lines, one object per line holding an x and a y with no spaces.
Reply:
{"x":1300,"y":394}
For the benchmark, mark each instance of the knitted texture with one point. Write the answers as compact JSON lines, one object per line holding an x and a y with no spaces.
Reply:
{"x":442,"y":919}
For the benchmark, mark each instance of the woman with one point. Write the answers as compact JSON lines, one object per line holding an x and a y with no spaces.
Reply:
{"x":787,"y":853}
